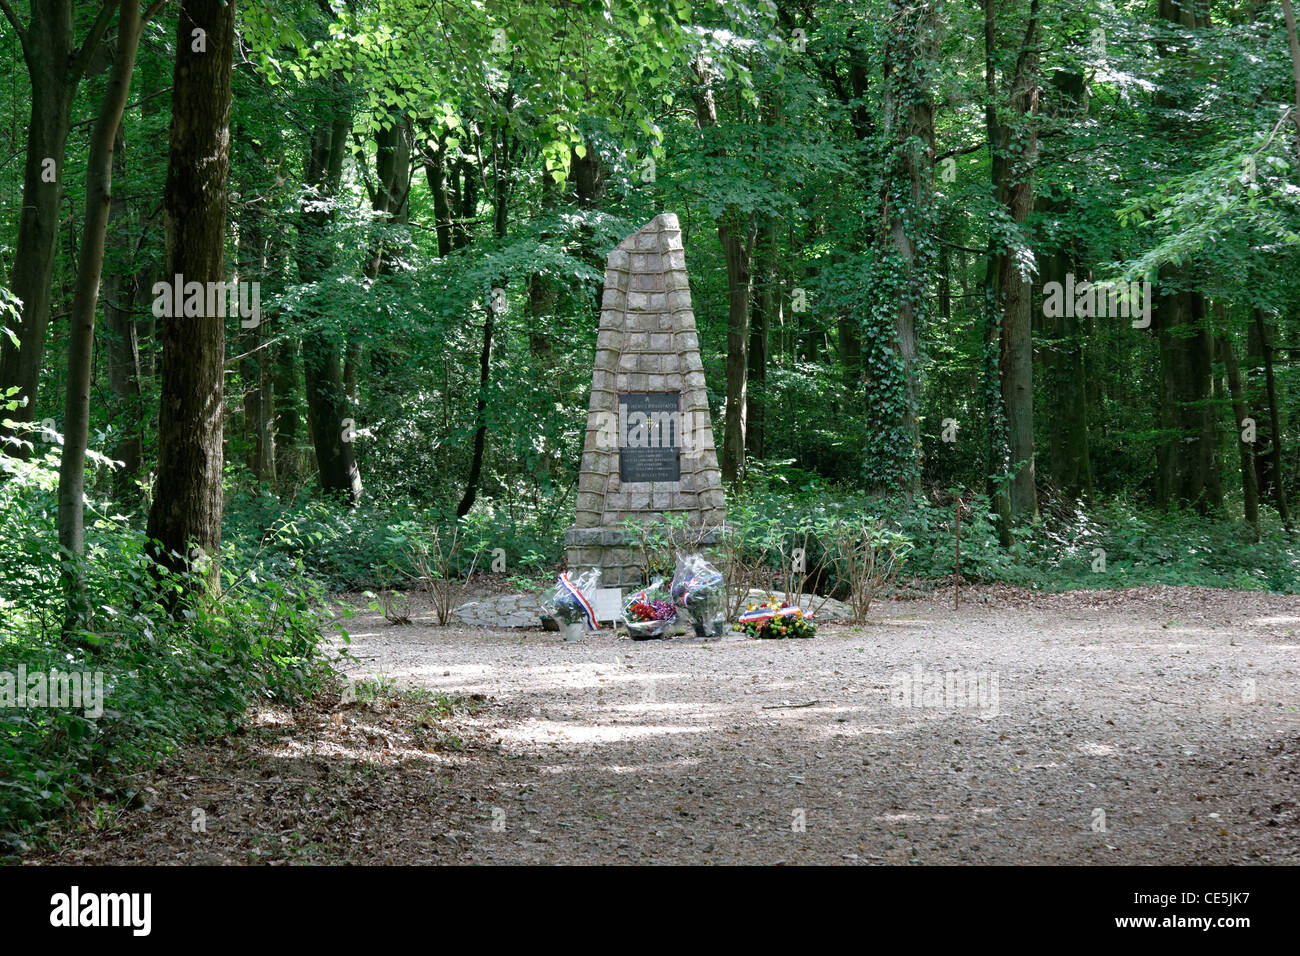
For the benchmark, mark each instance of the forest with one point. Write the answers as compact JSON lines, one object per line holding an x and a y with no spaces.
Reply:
{"x":300,"y":299}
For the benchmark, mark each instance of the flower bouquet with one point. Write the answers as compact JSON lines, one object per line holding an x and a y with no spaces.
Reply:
{"x":776,"y":619}
{"x":698,"y":588}
{"x":573,"y":608}
{"x":650,"y":613}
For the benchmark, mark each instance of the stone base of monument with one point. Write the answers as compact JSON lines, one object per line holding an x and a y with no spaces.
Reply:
{"x":618,"y":556}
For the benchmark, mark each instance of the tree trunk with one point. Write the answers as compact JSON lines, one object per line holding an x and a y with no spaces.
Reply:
{"x":500,"y":166}
{"x":54,"y":67}
{"x":736,"y":233}
{"x":480,"y":434}
{"x":121,"y":291}
{"x":328,"y":415}
{"x":81,"y":344}
{"x":185,"y":519}
{"x":1186,"y":457}
{"x":1070,"y":458}
{"x":1293,"y":45}
{"x":259,"y":389}
{"x":903,"y":240}
{"x":542,"y":292}
{"x":1274,"y":451}
{"x":435,"y":170}
{"x":285,"y":391}
{"x":766,"y":302}
{"x":1014,"y":145}
{"x":1240,"y":412}
{"x":1064,"y":355}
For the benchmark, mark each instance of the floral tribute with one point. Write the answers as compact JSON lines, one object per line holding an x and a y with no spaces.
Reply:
{"x":650,"y":613}
{"x":775,"y":618}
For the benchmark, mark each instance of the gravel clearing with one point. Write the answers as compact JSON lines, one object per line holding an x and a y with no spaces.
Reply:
{"x":1155,"y":725}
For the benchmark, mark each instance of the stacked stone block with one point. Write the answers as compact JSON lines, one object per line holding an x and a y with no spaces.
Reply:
{"x":647,"y":342}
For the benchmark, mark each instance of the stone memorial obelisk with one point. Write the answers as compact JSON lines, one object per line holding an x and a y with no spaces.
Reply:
{"x":649,"y":448}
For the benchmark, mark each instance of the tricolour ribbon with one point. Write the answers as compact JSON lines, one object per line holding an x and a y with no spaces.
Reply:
{"x":762,"y":614}
{"x":582,"y":601}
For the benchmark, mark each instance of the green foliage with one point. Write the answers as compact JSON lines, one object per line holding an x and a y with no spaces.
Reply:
{"x":371,"y":545}
{"x":165,"y":679}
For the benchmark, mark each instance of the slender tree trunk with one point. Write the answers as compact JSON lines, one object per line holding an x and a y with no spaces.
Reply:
{"x":500,"y":163}
{"x":259,"y":397}
{"x":736,"y":233}
{"x":81,"y":344}
{"x":467,"y":178}
{"x":1293,"y":44}
{"x":542,"y":292}
{"x":766,"y":301}
{"x":285,"y":391}
{"x":1274,"y":419}
{"x":1240,"y":412}
{"x":1064,"y":357}
{"x":480,"y":434}
{"x":329,"y":417}
{"x":185,"y":519}
{"x":121,"y":291}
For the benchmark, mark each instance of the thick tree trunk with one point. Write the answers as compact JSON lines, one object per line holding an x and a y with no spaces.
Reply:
{"x":48,"y":49}
{"x":435,"y":170}
{"x":906,"y":205}
{"x":1014,"y":145}
{"x":1186,"y":463}
{"x":1187,"y":471}
{"x":81,"y":344}
{"x":185,"y":519}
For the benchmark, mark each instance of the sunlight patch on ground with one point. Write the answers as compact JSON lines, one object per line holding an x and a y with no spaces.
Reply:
{"x":1096,"y":750}
{"x":658,"y":766}
{"x":857,"y":730}
{"x":548,"y":731}
{"x":930,"y":817}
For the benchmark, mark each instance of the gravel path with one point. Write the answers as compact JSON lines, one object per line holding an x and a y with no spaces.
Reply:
{"x":1158,"y":725}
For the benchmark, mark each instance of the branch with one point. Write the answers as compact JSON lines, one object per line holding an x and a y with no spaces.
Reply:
{"x":13,"y":18}
{"x":97,"y":30}
{"x":140,"y":102}
{"x":962,"y":151}
{"x":153,"y":9}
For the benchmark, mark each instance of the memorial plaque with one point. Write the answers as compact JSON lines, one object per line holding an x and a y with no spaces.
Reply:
{"x":648,"y":426}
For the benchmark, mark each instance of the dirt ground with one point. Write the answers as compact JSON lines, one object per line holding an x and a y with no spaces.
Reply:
{"x":1158,"y":725}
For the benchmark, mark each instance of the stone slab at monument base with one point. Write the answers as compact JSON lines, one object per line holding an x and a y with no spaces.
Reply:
{"x":619,"y":556}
